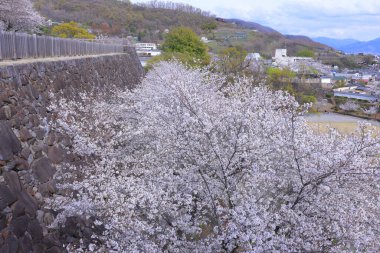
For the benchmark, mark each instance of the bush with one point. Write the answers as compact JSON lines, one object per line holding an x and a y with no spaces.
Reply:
{"x":184,"y":41}
{"x":71,"y":30}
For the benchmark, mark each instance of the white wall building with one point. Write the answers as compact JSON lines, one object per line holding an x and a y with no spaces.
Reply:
{"x":282,"y":60}
{"x":147,"y":49}
{"x":145,"y":46}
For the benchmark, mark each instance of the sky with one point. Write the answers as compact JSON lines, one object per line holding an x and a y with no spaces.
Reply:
{"x":341,"y":19}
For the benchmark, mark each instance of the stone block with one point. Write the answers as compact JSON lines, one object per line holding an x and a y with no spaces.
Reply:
{"x":19,"y":225}
{"x":56,"y":154}
{"x":51,"y":240}
{"x":48,"y":188}
{"x":3,"y":221}
{"x":26,"y":244}
{"x":35,"y":230}
{"x":43,"y":169}
{"x":9,"y":144}
{"x":55,"y":249}
{"x":40,"y":132}
{"x":25,"y":152}
{"x":7,"y":111}
{"x":10,"y":245}
{"x":33,"y":92}
{"x":21,"y":164}
{"x":4,"y":74}
{"x":51,"y":139}
{"x":6,"y":196}
{"x":25,"y":135}
{"x":13,"y":181}
{"x":37,"y":248}
{"x":29,"y":202}
{"x":18,"y":208}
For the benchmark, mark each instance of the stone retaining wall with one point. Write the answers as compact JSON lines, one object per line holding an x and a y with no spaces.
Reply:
{"x":29,"y":150}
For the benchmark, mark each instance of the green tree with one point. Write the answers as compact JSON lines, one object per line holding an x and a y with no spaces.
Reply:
{"x":305,"y":53}
{"x":183,"y":40}
{"x":231,"y":60}
{"x":71,"y":30}
{"x":308,"y":99}
{"x":209,"y":26}
{"x":280,"y":75}
{"x":182,"y":57}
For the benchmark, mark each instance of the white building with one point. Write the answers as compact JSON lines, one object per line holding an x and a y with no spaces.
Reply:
{"x":145,"y":46}
{"x":326,"y":80}
{"x":147,"y":49}
{"x":204,"y":40}
{"x":282,"y":60}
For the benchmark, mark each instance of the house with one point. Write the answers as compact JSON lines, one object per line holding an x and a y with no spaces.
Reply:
{"x":355,"y":92}
{"x":326,"y":82}
{"x":204,"y":39}
{"x":146,"y":46}
{"x":147,"y":49}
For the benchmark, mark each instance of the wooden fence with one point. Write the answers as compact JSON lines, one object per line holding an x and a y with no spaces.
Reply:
{"x":114,"y":41}
{"x":21,"y":46}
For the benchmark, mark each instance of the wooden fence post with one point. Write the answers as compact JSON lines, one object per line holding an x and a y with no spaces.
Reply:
{"x":34,"y":45}
{"x":13,"y":45}
{"x":1,"y":39}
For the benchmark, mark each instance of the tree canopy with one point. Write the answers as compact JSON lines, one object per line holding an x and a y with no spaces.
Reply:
{"x":184,"y":41}
{"x":71,"y":30}
{"x":276,"y":75}
{"x":231,"y":60}
{"x":185,"y":166}
{"x":305,"y":53}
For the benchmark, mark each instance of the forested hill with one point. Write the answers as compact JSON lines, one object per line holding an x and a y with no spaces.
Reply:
{"x":117,"y":18}
{"x":149,"y":21}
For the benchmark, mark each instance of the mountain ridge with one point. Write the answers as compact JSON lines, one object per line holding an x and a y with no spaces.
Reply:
{"x":352,"y":45}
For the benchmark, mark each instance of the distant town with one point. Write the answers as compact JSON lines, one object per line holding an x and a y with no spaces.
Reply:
{"x":359,"y":87}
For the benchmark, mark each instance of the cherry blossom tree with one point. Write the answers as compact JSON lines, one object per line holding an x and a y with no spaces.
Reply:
{"x":18,"y":16}
{"x":371,"y":110}
{"x":349,"y":106}
{"x":184,"y":165}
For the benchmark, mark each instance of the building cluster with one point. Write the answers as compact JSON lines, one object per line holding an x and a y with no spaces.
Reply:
{"x":362,"y":85}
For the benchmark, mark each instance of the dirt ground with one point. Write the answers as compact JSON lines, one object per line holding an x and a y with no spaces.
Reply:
{"x":342,"y":127}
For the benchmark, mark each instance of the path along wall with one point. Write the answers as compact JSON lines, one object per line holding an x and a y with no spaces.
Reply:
{"x":29,"y":150}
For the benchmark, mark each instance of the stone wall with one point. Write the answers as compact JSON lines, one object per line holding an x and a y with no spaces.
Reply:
{"x":29,"y":150}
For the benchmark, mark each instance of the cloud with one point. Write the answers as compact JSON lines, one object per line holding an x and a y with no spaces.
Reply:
{"x":339,"y":18}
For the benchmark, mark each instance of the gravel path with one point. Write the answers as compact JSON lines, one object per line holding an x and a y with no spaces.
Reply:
{"x":32,"y":60}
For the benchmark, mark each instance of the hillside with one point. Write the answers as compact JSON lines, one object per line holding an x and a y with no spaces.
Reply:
{"x":265,"y":40}
{"x":251,"y":25}
{"x":116,"y":18}
{"x":149,"y":21}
